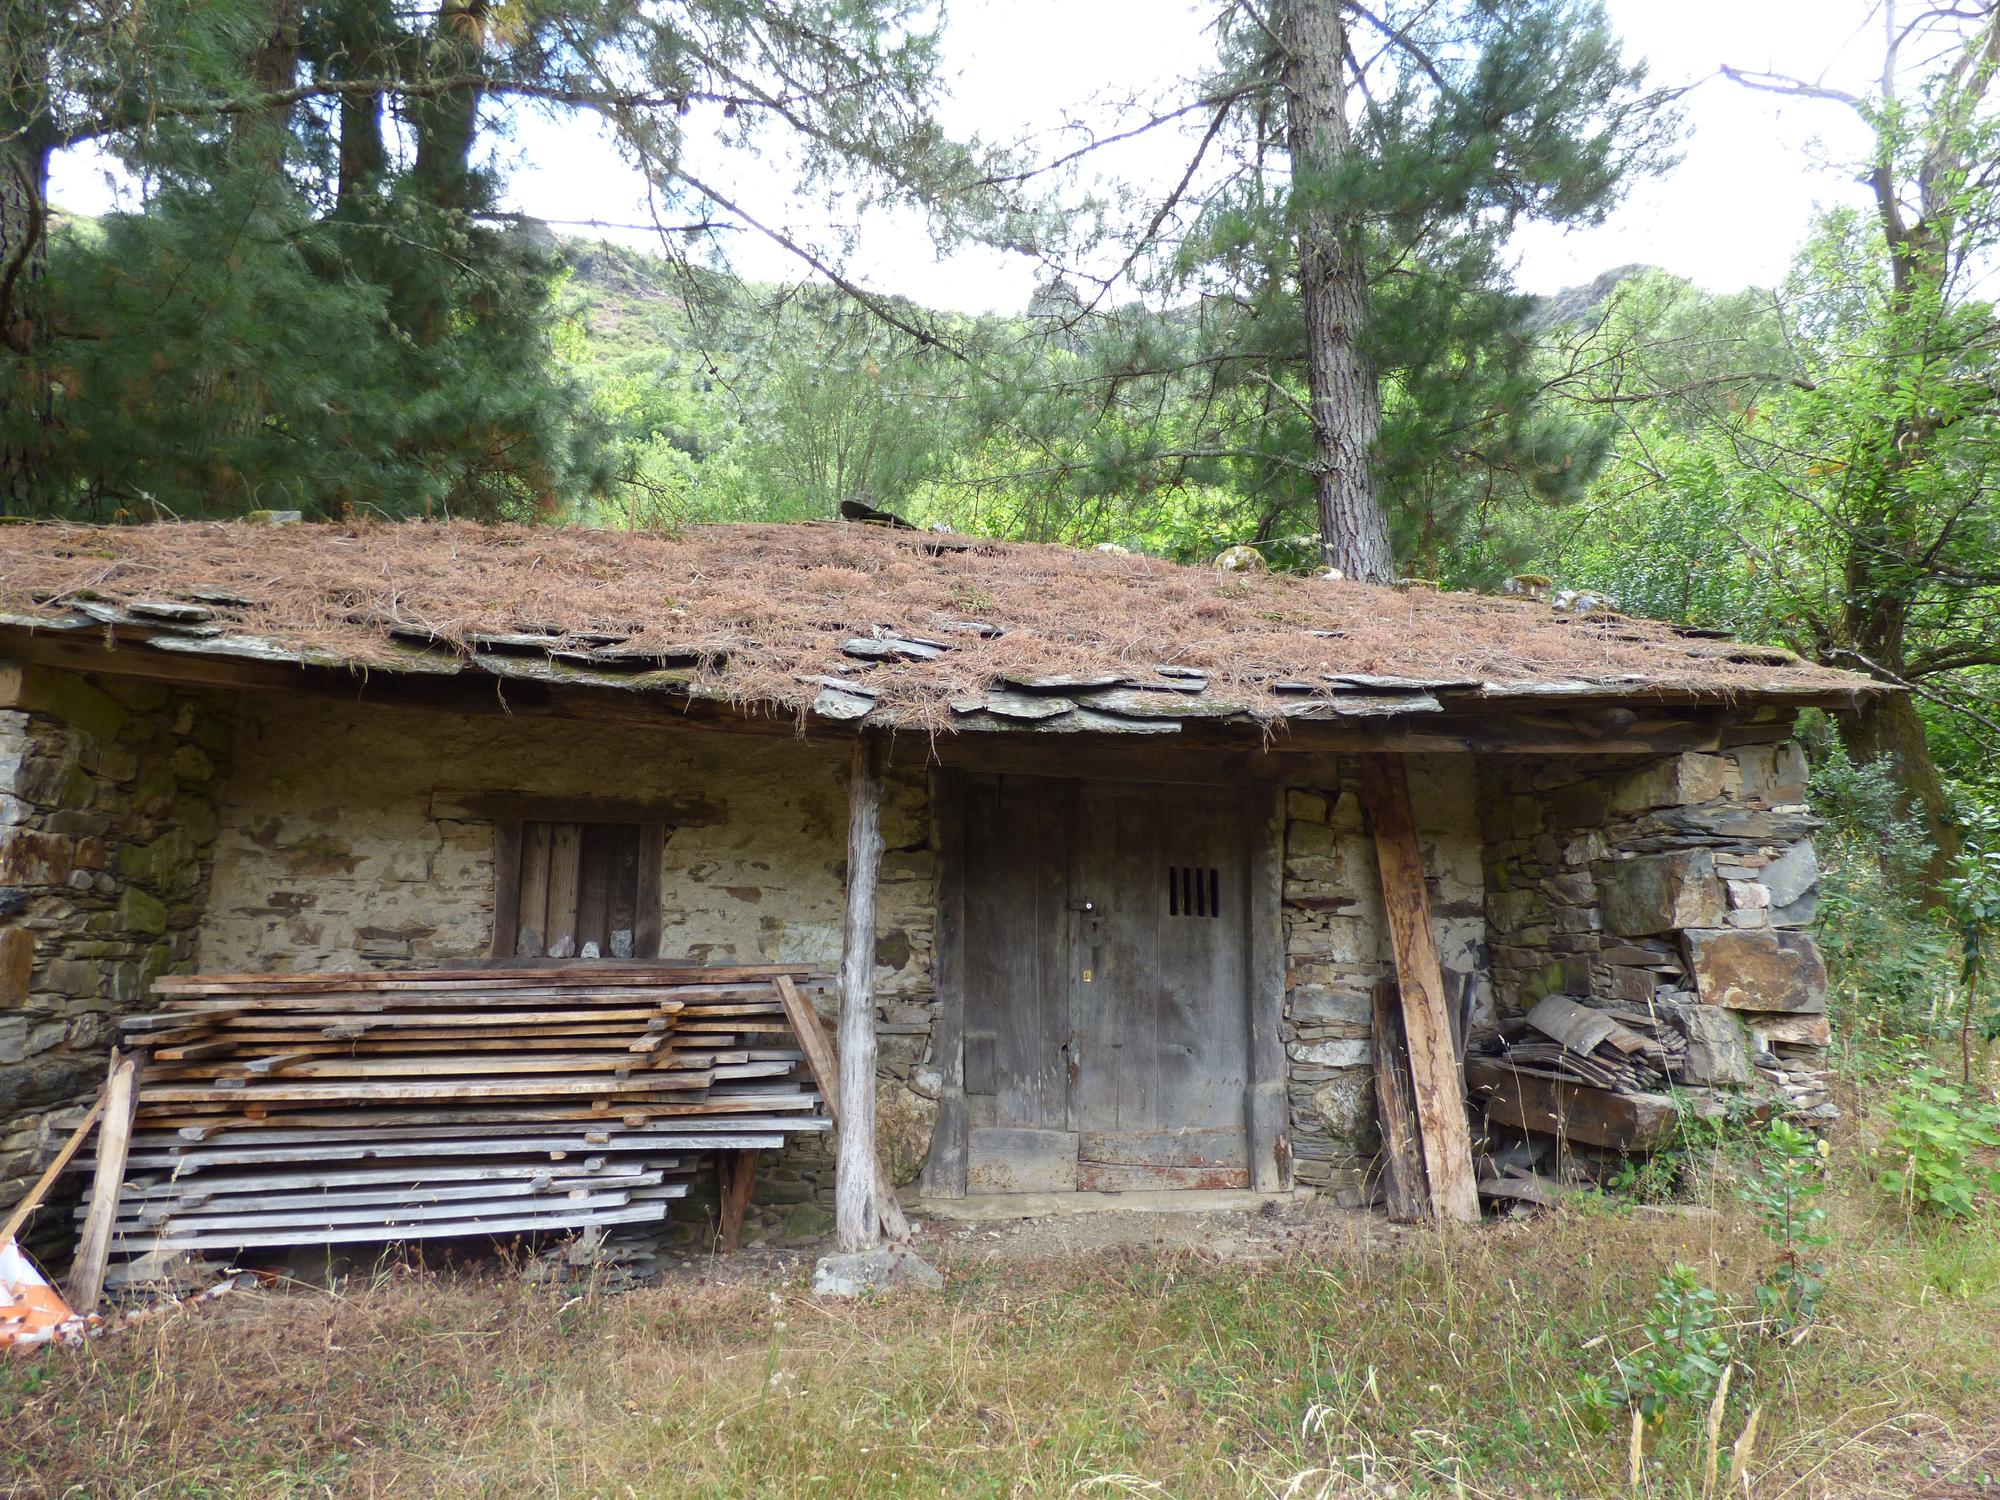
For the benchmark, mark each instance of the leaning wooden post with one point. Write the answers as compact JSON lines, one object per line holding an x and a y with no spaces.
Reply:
{"x":857,"y":1214}
{"x":1437,"y":1078}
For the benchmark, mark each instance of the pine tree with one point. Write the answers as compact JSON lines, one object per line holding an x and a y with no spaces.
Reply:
{"x":262,"y":129}
{"x":1346,"y":345}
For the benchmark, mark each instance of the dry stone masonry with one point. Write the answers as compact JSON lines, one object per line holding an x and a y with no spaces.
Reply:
{"x":1683,"y":885}
{"x":107,"y":824}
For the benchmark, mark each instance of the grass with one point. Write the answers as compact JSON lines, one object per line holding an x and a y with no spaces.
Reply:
{"x":1390,"y":1364}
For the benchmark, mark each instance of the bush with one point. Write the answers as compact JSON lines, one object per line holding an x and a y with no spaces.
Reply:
{"x":1936,"y":1129}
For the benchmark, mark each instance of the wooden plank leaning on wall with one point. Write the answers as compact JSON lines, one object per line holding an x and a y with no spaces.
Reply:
{"x":1438,"y":1083}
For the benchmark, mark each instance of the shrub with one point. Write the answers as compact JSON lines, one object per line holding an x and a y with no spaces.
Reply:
{"x":1936,"y":1127}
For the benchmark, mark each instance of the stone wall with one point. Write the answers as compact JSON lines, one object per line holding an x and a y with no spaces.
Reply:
{"x":346,"y":842}
{"x":1337,"y":947}
{"x":1686,"y":879}
{"x":106,"y":827}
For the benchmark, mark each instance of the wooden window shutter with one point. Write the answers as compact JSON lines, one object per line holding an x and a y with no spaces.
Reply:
{"x":577,"y":890}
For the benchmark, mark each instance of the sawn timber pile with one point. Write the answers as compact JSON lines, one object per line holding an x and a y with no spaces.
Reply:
{"x":346,"y":1108}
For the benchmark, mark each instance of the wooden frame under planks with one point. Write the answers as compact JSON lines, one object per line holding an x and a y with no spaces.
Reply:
{"x":409,"y":1104}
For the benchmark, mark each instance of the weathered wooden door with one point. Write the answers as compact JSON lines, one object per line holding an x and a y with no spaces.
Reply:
{"x":1106,"y":985}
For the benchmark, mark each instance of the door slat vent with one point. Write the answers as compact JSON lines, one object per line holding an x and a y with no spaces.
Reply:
{"x":1194,"y":891}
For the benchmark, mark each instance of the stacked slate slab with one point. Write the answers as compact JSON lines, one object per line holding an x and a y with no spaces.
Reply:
{"x":1678,"y":888}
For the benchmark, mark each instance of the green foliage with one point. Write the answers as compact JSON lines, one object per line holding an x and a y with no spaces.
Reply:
{"x":1972,"y":904}
{"x":1681,"y":1360}
{"x":1937,"y":1132}
{"x":1783,"y":1184}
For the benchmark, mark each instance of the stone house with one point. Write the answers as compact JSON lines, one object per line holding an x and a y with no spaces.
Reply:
{"x":1129,"y":920}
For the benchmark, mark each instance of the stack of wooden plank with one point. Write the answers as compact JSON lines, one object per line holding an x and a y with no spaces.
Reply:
{"x":344,"y":1108}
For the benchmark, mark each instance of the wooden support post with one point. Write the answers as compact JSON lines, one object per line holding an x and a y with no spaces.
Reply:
{"x":1437,"y":1080}
{"x":1267,"y":1111}
{"x":114,"y":1140}
{"x":862,"y":1198}
{"x":824,"y":1065}
{"x":736,"y":1173}
{"x":1402,"y":1161}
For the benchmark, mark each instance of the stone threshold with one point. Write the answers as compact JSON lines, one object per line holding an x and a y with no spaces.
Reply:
{"x":979,"y":1208}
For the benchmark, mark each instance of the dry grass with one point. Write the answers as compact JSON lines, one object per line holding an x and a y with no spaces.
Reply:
{"x":1408,"y":1366}
{"x":772,"y":603}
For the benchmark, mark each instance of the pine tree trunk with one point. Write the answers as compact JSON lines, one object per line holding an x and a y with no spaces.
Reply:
{"x":26,"y":411}
{"x":1333,"y":288}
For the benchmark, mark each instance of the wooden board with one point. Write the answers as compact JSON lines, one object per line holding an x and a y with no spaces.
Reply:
{"x":1571,"y":1111}
{"x":1409,"y":1199}
{"x":114,"y":1137}
{"x":1437,"y":1080}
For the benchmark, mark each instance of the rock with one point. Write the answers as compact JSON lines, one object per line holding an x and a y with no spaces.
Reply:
{"x":140,"y":912}
{"x":1765,"y":970}
{"x":861,"y":1273}
{"x":1716,"y":1052}
{"x":808,"y":1222}
{"x":1749,"y":895}
{"x":1337,"y":1054}
{"x":1799,"y":914}
{"x":1324,"y":1005}
{"x":1797,"y":1031}
{"x":1662,"y":892}
{"x":1241,"y":559}
{"x":17,"y":963}
{"x":1673,"y":782}
{"x":904,"y":1122}
{"x":1772,"y":773}
{"x":1792,"y":874}
{"x":1346,"y":1103}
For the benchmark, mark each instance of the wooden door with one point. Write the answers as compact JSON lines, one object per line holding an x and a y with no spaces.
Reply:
{"x":1162,"y":1008}
{"x":1105,"y":985}
{"x":1019,"y":1136}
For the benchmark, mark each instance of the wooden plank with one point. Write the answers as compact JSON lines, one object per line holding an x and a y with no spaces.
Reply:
{"x":93,"y":1246}
{"x":1408,"y":1196}
{"x":1014,"y":1159}
{"x":646,"y":898}
{"x":493,"y":977}
{"x":679,"y":810}
{"x":621,"y":914}
{"x":531,"y":937}
{"x":470,"y":1227}
{"x":821,"y":1061}
{"x":1267,"y":1111}
{"x":944,"y":1167}
{"x":32,"y":1200}
{"x":1110,"y":1177}
{"x":1571,"y":1111}
{"x":593,"y":901}
{"x":506,"y":889}
{"x":1437,"y":1081}
{"x":565,"y":888}
{"x":737,"y":1171}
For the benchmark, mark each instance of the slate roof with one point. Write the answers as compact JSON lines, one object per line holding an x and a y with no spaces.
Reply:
{"x":861,"y":623}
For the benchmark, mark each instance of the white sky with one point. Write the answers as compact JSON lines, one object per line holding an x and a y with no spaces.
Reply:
{"x":1753,"y":168}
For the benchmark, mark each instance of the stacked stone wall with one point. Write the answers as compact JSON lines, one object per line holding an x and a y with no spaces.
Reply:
{"x":1337,"y":949}
{"x":1687,"y":879}
{"x":107,"y":824}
